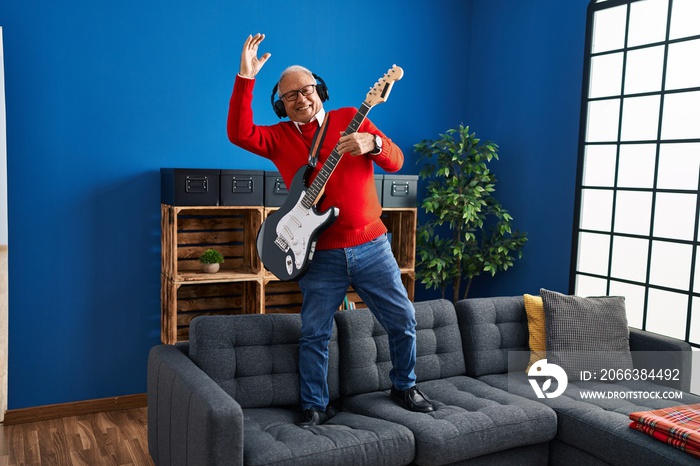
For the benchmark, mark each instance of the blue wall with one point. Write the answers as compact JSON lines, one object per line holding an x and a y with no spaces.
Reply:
{"x":102,"y":94}
{"x":526,"y":73}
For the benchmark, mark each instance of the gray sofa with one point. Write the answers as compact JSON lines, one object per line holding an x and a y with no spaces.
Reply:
{"x":230,"y":396}
{"x":589,"y":431}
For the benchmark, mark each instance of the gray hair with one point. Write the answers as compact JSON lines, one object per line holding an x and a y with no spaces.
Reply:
{"x":294,"y":69}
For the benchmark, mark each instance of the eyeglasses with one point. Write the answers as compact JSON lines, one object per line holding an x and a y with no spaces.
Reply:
{"x":291,"y":96}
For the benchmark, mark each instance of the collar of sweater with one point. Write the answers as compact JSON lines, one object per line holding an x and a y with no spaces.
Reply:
{"x":319,"y":117}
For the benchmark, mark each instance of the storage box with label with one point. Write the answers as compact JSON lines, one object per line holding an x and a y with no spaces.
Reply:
{"x":275,"y":189}
{"x":241,"y":187}
{"x":189,"y":186}
{"x":400,"y":191}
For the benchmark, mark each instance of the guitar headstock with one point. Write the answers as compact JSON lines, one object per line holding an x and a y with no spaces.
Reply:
{"x":381,"y":89}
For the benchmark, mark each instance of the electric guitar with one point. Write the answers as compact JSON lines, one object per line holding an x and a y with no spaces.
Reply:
{"x":287,"y":238}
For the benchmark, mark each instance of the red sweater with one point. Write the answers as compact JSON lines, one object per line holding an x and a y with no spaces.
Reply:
{"x":350,"y":188}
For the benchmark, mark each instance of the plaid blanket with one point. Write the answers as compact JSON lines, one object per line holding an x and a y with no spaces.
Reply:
{"x":678,"y":426}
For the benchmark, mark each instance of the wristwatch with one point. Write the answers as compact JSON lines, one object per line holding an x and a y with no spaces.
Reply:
{"x":377,"y":146}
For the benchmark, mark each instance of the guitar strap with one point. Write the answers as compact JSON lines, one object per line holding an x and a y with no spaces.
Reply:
{"x":317,"y":143}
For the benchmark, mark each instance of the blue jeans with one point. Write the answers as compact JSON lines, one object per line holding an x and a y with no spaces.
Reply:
{"x":372,"y":271}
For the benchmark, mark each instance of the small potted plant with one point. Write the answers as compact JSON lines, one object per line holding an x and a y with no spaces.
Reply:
{"x":210,"y":259}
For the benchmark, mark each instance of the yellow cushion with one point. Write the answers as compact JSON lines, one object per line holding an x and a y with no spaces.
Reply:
{"x":535,"y":326}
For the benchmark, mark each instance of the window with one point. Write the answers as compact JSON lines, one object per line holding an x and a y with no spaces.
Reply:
{"x":637,"y":205}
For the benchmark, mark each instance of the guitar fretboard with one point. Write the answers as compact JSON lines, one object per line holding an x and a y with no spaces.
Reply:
{"x":314,"y":191}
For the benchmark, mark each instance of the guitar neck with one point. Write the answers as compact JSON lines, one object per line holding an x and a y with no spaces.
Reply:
{"x":316,"y":188}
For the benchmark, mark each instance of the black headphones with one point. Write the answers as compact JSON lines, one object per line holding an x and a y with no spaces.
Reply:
{"x":278,"y":105}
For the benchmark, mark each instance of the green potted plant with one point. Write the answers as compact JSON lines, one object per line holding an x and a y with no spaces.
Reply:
{"x":459,"y":204}
{"x":211,"y":260}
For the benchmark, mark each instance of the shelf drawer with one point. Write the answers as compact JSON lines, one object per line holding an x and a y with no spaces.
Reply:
{"x":188,"y":232}
{"x":401,"y":226}
{"x":182,"y":302}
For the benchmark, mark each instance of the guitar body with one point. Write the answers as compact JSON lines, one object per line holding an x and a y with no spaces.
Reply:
{"x":287,"y":238}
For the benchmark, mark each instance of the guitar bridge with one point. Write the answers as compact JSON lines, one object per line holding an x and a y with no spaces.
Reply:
{"x":282,"y":244}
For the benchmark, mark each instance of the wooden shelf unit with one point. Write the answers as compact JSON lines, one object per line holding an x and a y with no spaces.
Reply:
{"x":242,"y":286}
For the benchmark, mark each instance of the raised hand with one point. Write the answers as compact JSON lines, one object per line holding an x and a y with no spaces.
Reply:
{"x":250,"y":63}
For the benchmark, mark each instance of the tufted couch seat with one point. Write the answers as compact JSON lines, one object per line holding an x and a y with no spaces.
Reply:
{"x":589,"y":431}
{"x":230,"y":396}
{"x":471,"y":419}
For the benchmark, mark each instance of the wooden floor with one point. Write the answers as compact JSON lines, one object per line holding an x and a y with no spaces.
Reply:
{"x":107,"y":438}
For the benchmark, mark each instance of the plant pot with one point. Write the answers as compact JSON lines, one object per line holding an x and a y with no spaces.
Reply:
{"x":210,"y":268}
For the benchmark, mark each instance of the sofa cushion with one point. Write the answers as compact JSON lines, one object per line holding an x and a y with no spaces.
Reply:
{"x":255,"y":358}
{"x":490,"y":328}
{"x":586,"y":334}
{"x":537,"y":341}
{"x":271,"y":437}
{"x":600,"y":426}
{"x":365,"y":361}
{"x":470,"y":419}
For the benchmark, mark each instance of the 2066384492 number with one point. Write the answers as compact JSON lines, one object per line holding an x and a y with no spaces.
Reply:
{"x":614,"y":375}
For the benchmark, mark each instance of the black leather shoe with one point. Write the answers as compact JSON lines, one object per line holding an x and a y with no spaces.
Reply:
{"x":314,"y":417}
{"x":412,"y":399}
